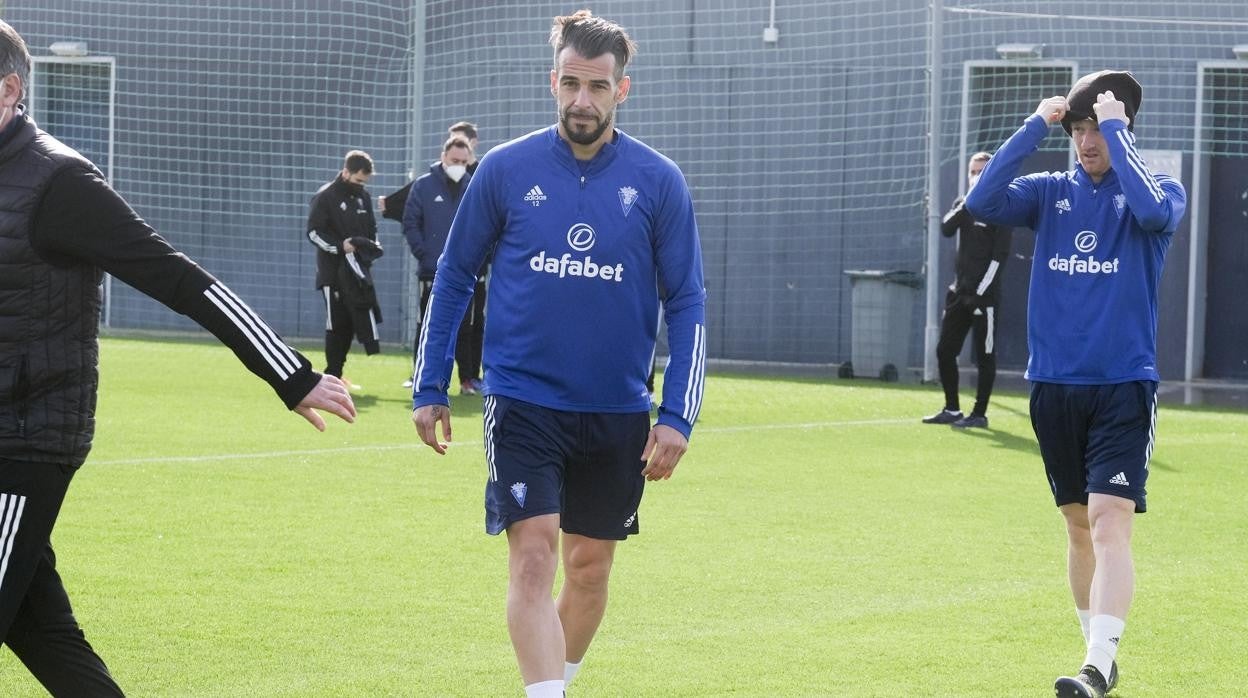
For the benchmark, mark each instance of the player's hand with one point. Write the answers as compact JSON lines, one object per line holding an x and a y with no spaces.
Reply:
{"x":1109,"y":107}
{"x":330,"y":394}
{"x":1052,"y":109}
{"x":426,"y":419}
{"x":347,"y":246}
{"x":663,"y":450}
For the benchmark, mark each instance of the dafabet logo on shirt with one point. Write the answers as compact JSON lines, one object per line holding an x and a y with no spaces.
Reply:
{"x":1085,"y":242}
{"x":581,"y":237}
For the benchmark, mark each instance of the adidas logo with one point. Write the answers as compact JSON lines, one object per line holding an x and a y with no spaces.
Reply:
{"x":535,"y":196}
{"x":1063,"y":206}
{"x":1119,"y":479}
{"x":438,"y":198}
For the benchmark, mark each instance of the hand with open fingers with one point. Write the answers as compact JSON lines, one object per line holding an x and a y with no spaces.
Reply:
{"x":426,"y":419}
{"x":663,"y":450}
{"x":1052,"y":109}
{"x":1109,"y":107}
{"x":331,"y":395}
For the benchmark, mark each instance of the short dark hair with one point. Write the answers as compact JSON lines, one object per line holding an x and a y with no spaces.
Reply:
{"x":456,"y":142}
{"x":467,"y":128}
{"x":591,"y":37}
{"x":14,"y":57}
{"x":358,"y":161}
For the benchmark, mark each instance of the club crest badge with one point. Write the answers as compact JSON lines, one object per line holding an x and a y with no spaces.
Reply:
{"x":519,"y":490}
{"x":1120,"y":203}
{"x":628,"y":197}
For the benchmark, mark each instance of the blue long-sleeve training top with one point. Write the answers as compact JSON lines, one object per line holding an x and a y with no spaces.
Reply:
{"x":580,"y":252}
{"x":1100,"y":248}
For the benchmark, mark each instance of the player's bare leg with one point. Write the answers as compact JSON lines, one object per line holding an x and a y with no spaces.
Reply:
{"x":583,"y":599}
{"x":533,"y":623}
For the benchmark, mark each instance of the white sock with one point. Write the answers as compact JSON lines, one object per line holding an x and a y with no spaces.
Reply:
{"x":569,"y":672}
{"x":545,"y":689}
{"x":1085,"y":617}
{"x":1103,"y":635}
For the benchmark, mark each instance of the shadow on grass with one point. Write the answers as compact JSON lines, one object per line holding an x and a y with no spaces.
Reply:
{"x":1002,"y":439}
{"x":462,"y":407}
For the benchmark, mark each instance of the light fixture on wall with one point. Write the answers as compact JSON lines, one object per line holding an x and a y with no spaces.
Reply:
{"x":1020,"y":52}
{"x":771,"y":33}
{"x":68,"y":49}
{"x":1241,"y":52}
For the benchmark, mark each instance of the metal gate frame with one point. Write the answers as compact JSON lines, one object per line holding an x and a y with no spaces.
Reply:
{"x":32,"y":103}
{"x":1198,"y":252}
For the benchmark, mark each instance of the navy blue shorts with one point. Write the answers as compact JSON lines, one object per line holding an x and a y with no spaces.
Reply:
{"x":1095,"y":438}
{"x":585,"y":466}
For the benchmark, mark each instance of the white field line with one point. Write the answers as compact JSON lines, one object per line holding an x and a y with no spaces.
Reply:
{"x":415,"y":445}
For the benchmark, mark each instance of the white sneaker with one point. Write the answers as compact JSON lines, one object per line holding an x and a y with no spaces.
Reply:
{"x":407,"y":383}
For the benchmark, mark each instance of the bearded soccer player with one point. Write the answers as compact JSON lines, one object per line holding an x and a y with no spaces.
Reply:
{"x":586,"y":223}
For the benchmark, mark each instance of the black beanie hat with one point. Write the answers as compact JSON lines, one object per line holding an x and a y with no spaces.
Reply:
{"x":1082,"y":96}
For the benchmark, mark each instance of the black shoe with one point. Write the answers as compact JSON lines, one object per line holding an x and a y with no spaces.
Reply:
{"x":944,"y":417}
{"x":1088,"y":683}
{"x":977,"y":421}
{"x":1113,"y":677}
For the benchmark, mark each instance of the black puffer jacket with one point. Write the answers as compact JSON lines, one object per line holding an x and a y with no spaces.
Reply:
{"x":49,"y":316}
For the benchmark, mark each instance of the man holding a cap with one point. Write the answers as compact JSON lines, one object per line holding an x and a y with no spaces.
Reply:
{"x":1102,"y":232}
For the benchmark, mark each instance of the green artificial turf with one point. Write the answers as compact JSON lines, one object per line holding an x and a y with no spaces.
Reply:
{"x":816,"y":540}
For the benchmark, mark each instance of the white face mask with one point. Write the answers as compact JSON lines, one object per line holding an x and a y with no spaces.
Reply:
{"x":455,"y":172}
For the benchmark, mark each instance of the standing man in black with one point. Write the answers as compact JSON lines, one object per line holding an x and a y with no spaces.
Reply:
{"x":61,"y":227}
{"x":971,"y":303}
{"x":341,"y":219}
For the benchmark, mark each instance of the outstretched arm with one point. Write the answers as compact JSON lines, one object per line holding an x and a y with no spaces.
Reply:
{"x":80,"y":219}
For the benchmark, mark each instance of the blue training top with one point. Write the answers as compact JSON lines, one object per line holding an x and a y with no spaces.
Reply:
{"x":1100,"y":248}
{"x":581,"y":250}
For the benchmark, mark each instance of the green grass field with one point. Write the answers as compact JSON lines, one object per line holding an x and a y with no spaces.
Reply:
{"x":817,"y":540}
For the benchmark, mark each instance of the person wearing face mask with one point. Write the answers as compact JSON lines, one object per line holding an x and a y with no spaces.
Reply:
{"x":341,"y":210}
{"x":970,"y":303}
{"x":427,"y":216}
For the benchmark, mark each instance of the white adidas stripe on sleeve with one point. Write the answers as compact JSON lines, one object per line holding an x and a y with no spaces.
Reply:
{"x":279,"y":357}
{"x":321,"y":243}
{"x":697,"y":376}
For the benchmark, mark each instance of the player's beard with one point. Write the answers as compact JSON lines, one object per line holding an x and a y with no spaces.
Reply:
{"x":585,"y":137}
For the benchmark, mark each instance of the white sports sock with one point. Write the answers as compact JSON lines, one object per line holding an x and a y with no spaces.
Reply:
{"x":1103,"y":635}
{"x":1085,"y":617}
{"x":545,"y":689}
{"x":569,"y":672}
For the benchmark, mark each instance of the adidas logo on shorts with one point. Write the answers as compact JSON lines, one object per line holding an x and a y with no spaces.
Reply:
{"x":1119,"y":479}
